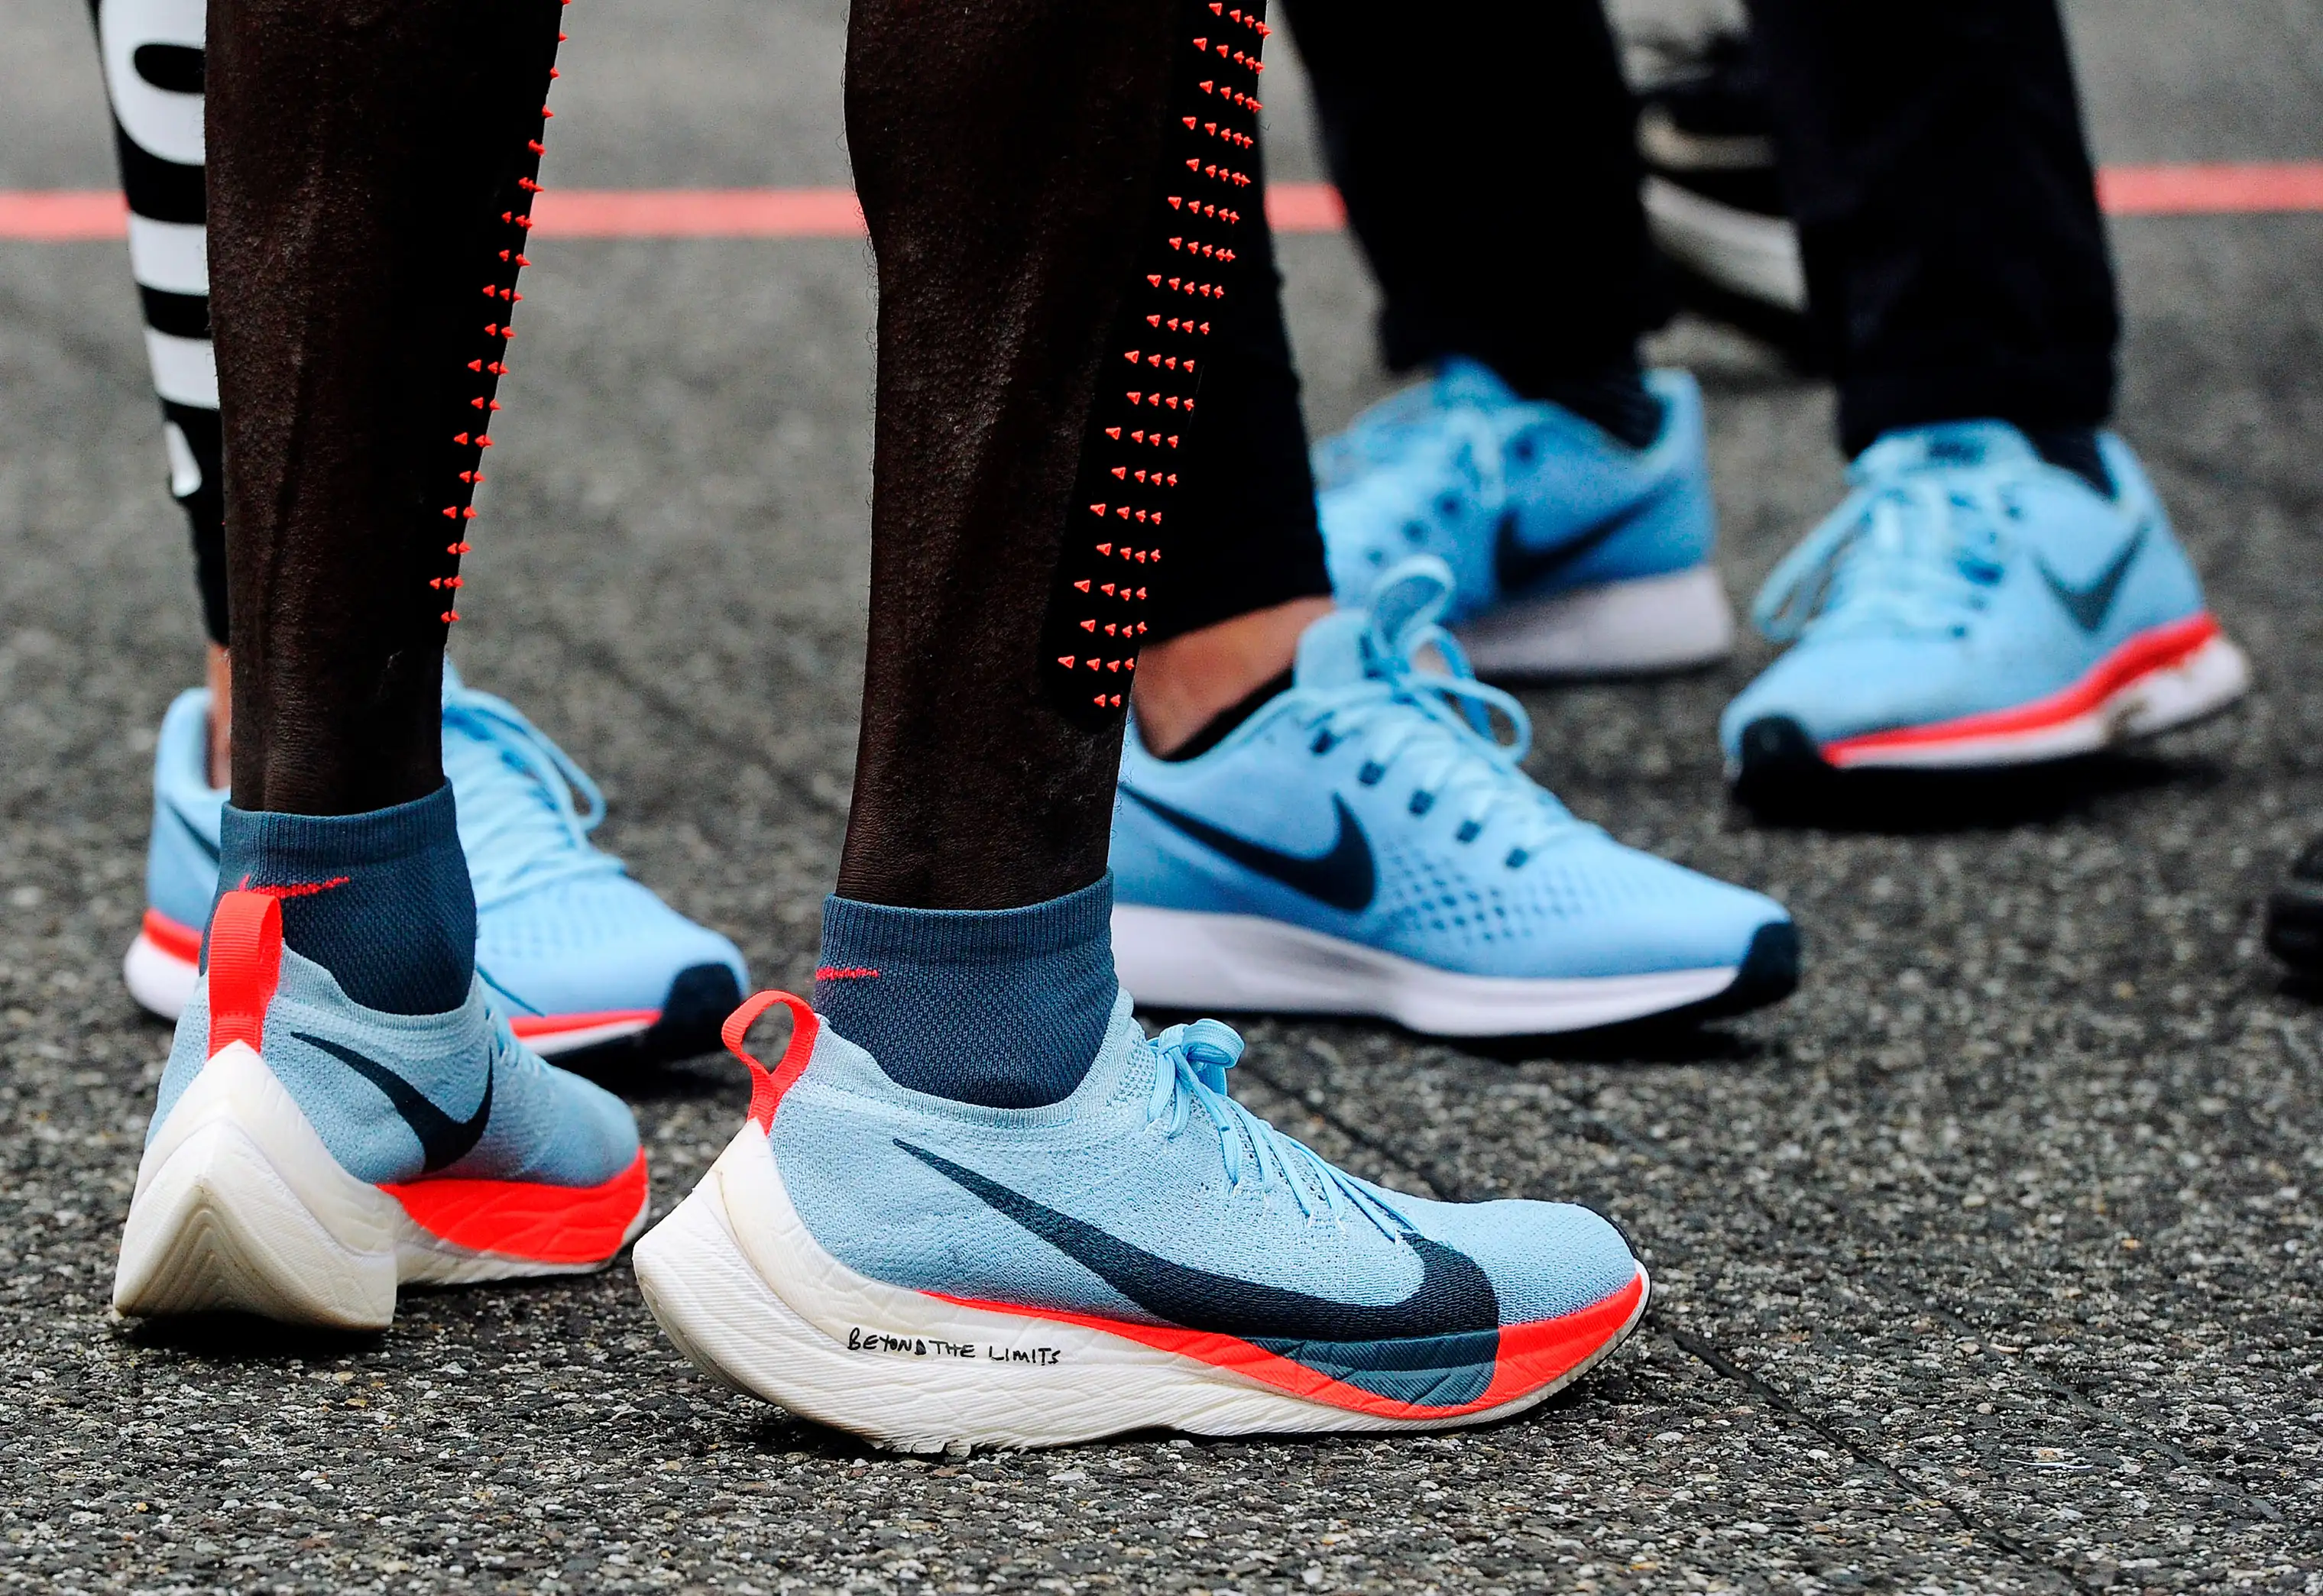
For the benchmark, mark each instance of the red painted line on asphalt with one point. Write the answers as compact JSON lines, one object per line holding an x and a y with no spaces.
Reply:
{"x":2210,"y":189}
{"x":57,"y":215}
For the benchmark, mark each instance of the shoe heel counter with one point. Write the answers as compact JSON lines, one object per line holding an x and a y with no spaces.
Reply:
{"x":768,"y":1087}
{"x":245,"y":967}
{"x":180,"y":867}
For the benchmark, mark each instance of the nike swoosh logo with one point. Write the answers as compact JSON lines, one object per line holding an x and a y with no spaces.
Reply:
{"x":443,"y":1140}
{"x":1516,"y":565}
{"x":1345,"y":877}
{"x":209,"y":849}
{"x":2088,"y":605}
{"x":1453,"y":1297}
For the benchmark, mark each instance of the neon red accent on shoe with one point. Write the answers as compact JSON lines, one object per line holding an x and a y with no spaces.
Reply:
{"x":1529,"y":1356}
{"x":178,"y":942}
{"x":1105,"y":548}
{"x":1066,"y":660}
{"x":527,"y":1219}
{"x":528,"y":1027}
{"x":245,"y":966}
{"x":768,"y":1086}
{"x":2156,"y":648}
{"x":853,"y":972}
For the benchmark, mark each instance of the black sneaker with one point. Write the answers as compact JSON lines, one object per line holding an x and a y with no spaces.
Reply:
{"x":1713,"y":199}
{"x":2294,"y":914}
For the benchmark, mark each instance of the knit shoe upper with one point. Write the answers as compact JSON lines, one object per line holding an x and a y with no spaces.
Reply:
{"x":1145,"y":1252}
{"x":575,"y":951}
{"x":308,"y":1154}
{"x":1970,"y":603}
{"x":1370,"y":809}
{"x":1522,"y":499}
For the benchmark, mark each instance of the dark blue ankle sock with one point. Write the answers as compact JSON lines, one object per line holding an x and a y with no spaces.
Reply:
{"x":381,"y":900}
{"x":1616,"y":398}
{"x":1002,"y":1007}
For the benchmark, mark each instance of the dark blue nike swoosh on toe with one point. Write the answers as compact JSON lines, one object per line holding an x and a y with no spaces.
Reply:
{"x":209,"y":849}
{"x":1453,"y":1297}
{"x":1516,"y":565}
{"x":2088,"y":604}
{"x":443,"y":1140}
{"x":1345,"y":877}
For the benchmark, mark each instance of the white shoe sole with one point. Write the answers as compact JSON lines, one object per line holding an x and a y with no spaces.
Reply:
{"x":1185,"y":958}
{"x":162,"y":983}
{"x":240,"y":1206}
{"x":744,"y":1289}
{"x":2186,"y":689}
{"x":1740,"y":250}
{"x":1650,"y":623}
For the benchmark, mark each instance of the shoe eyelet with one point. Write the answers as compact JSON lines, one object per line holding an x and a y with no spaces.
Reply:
{"x":1517,"y":856}
{"x":1370,"y":772}
{"x":1468,"y":832}
{"x":1421,"y":802}
{"x":1414,"y":532}
{"x":1324,"y":742}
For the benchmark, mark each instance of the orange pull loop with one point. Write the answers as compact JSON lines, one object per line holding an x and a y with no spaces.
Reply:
{"x":767,"y":1087}
{"x":245,"y":964}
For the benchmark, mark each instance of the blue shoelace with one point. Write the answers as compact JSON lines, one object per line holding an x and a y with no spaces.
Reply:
{"x":518,"y":818}
{"x":1915,"y":555}
{"x":1190,"y":1065}
{"x":1420,"y":712}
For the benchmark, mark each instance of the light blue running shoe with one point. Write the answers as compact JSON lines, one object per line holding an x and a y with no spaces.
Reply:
{"x":308,"y":1154}
{"x":1361,"y":845}
{"x":1571,"y":554}
{"x":1147,"y":1253}
{"x":577,"y":953}
{"x":1969,"y":604}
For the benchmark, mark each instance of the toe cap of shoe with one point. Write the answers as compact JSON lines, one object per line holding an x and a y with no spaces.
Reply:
{"x":1544,"y":1259}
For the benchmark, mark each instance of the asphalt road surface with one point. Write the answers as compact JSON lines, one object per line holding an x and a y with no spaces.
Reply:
{"x":1989,"y":1262}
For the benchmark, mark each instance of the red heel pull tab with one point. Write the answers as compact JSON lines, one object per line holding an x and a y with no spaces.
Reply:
{"x":245,"y":966}
{"x":768,"y":1086}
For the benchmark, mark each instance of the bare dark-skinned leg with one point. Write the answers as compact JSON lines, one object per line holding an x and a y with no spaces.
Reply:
{"x":1006,"y":156}
{"x":364,"y":154}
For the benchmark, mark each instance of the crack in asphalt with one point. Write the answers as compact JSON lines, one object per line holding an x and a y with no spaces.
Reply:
{"x":1727,"y":1365}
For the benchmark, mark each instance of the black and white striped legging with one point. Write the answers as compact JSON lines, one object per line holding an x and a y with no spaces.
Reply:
{"x":152,"y":54}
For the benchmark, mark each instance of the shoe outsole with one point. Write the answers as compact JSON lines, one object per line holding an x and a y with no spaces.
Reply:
{"x":744,"y":1290}
{"x":1179,"y":958}
{"x":2157,"y":681}
{"x":1681,"y":621}
{"x":160,"y":969}
{"x":2294,"y":926}
{"x":1769,"y":974}
{"x":239,"y":1206}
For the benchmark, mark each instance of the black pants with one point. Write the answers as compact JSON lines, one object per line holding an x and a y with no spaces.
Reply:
{"x":1932,"y":155}
{"x":1932,"y":158}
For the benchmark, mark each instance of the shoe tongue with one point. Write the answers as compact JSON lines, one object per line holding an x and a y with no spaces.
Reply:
{"x":1332,"y":652}
{"x":1950,"y":446}
{"x":1462,"y":380}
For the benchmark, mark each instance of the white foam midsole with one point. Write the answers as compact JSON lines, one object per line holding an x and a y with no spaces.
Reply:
{"x":1648,"y":623}
{"x":239,"y":1206}
{"x":2204,"y":681}
{"x":747,"y":1293}
{"x":161,"y":982}
{"x":1749,"y":255}
{"x":1186,"y":958}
